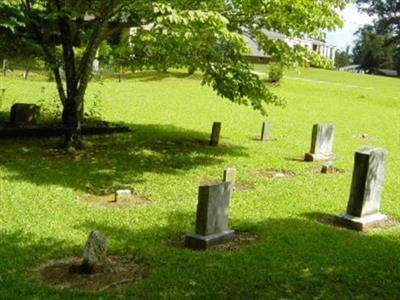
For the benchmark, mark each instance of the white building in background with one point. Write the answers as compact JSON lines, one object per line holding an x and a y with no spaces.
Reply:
{"x":323,"y":49}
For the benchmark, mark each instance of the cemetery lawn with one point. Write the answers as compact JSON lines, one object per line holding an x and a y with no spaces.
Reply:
{"x":164,"y":159}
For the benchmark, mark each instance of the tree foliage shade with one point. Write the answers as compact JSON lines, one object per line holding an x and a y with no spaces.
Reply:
{"x":206,"y":35}
{"x":387,"y":24}
{"x":343,"y":58}
{"x":373,"y":50}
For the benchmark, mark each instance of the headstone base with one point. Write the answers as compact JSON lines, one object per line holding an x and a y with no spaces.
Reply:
{"x":202,"y":242}
{"x":318,"y":156}
{"x":357,"y":223}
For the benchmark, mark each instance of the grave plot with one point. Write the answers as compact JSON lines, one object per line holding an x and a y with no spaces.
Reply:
{"x":95,"y":271}
{"x":121,"y":199}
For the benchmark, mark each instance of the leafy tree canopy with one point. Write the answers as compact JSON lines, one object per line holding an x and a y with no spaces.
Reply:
{"x":373,"y":50}
{"x":387,"y":23}
{"x":207,"y":34}
{"x":343,"y":58}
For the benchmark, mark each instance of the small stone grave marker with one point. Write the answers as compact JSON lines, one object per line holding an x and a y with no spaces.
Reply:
{"x":95,"y":252}
{"x":230,"y":176}
{"x":24,"y":115}
{"x":122,"y":195}
{"x":266,"y":132}
{"x":321,"y":143}
{"x":327,"y":168}
{"x":215,"y":133}
{"x":212,"y":217}
{"x":366,"y":190}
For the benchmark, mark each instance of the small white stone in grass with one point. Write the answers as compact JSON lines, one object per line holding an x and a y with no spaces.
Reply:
{"x":279,"y":175}
{"x":121,"y":195}
{"x":364,"y":135}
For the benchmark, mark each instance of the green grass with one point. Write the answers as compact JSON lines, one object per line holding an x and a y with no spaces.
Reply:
{"x":295,"y":257}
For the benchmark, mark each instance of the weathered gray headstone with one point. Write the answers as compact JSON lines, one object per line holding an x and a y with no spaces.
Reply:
{"x":366,"y":190}
{"x":321,"y":143}
{"x":230,"y":176}
{"x":215,"y":133}
{"x":95,"y":252}
{"x":122,"y":195}
{"x":24,"y":115}
{"x":266,"y":131}
{"x":212,"y":217}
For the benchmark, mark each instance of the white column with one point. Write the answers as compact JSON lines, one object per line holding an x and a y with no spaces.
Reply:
{"x":333,"y":54}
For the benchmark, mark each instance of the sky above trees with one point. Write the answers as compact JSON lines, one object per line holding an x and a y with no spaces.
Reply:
{"x":353,"y":20}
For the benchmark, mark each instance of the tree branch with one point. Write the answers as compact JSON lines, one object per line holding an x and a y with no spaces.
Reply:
{"x":48,"y":51}
{"x":68,"y":50}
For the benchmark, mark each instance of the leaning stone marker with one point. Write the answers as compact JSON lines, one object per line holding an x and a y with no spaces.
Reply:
{"x":266,"y":132}
{"x":212,"y":217}
{"x":366,"y":190}
{"x":24,"y":115}
{"x":321,"y":143}
{"x":95,"y":252}
{"x":216,"y":131}
{"x":230,"y":176}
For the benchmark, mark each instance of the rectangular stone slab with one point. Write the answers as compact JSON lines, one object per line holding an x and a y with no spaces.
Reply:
{"x":215,"y":134}
{"x":359,"y":224}
{"x":213,"y":208}
{"x":203,"y":242}
{"x":265,"y":131}
{"x":24,"y":114}
{"x":367,"y":182}
{"x":321,"y":143}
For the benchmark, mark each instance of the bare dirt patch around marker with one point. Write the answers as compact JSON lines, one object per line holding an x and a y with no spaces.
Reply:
{"x":108,"y":201}
{"x":60,"y":274}
{"x":274,"y":174}
{"x":240,"y":186}
{"x":333,"y":171}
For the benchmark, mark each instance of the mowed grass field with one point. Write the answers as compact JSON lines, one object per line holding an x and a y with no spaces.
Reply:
{"x":166,"y":157}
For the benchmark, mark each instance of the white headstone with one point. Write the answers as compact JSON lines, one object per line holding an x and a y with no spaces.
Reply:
{"x":321,"y":143}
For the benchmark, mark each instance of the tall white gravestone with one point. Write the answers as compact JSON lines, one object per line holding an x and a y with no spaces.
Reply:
{"x":321,"y":143}
{"x":366,"y":190}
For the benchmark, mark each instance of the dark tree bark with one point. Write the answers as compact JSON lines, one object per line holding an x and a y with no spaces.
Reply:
{"x":77,"y":75}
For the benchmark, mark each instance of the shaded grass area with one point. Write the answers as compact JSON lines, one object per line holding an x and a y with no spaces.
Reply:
{"x":167,"y":155}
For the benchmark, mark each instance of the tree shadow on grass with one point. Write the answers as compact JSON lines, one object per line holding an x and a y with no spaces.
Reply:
{"x":293,"y":258}
{"x":152,"y":75}
{"x":113,"y":161}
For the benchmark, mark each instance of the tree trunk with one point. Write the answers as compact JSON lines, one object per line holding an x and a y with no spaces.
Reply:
{"x":26,"y":73}
{"x":72,"y":119}
{"x":191,"y":70}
